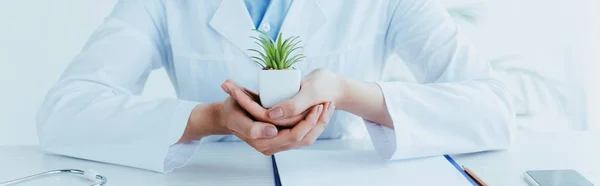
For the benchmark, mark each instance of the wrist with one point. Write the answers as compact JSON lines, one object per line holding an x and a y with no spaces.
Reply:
{"x":217,"y":119}
{"x":204,"y":121}
{"x":355,"y":93}
{"x":345,"y":93}
{"x":216,"y":124}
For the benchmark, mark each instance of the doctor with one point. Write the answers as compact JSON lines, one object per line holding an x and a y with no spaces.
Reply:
{"x":456,"y":106}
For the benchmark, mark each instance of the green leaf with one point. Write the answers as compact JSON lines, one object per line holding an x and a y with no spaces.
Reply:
{"x":265,"y":35}
{"x":265,"y":45}
{"x":260,"y":64}
{"x":276,"y":53}
{"x":274,"y":64}
{"x":295,"y":59}
{"x":280,"y":52}
{"x":287,"y":41}
{"x":264,"y":58}
{"x":296,"y":48}
{"x":259,"y":59}
{"x":286,"y":48}
{"x":259,"y":52}
{"x":294,"y":44}
{"x":263,"y":55}
{"x":278,"y":61}
{"x":261,"y":46}
{"x":294,"y":62}
{"x":271,"y":55}
{"x":272,"y":49}
{"x":291,"y":47}
{"x":262,"y":43}
{"x":291,"y":41}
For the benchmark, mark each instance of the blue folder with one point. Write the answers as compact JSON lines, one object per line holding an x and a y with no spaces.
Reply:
{"x":458,"y":167}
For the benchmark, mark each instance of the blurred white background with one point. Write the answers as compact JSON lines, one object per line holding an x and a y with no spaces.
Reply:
{"x":543,"y":49}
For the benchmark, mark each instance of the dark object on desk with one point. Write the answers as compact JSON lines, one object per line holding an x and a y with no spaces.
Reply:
{"x":462,"y":171}
{"x":556,"y":178}
{"x":275,"y":171}
{"x":474,"y":176}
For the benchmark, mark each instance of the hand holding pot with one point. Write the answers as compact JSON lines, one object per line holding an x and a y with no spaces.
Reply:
{"x":232,"y":117}
{"x":249,"y":101}
{"x":265,"y":138}
{"x":320,"y":86}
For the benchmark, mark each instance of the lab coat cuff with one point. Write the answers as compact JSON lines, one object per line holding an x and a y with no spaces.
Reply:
{"x":179,"y":120}
{"x":383,"y":139}
{"x":392,"y":143}
{"x":178,"y":155}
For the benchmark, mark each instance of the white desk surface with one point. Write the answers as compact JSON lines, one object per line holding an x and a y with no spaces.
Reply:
{"x":533,"y":151}
{"x":574,"y":150}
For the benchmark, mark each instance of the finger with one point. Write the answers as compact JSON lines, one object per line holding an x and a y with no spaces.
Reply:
{"x":252,"y":143}
{"x":322,"y":124}
{"x":251,"y":129}
{"x":313,"y":134}
{"x":299,"y":131}
{"x":249,"y":101}
{"x":252,"y":94}
{"x":289,"y":122}
{"x":245,"y":99}
{"x":225,"y":88}
{"x":277,"y":144}
{"x":292,"y":107}
{"x":230,"y":85}
{"x":251,"y":106}
{"x":290,"y":136}
{"x":256,"y":110}
{"x":287,"y":137}
{"x":266,"y":146}
{"x":243,"y":138}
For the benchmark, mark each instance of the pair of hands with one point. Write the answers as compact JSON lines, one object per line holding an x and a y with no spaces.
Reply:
{"x":292,"y":124}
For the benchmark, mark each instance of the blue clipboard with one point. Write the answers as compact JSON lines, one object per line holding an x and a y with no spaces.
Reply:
{"x":275,"y":171}
{"x":458,"y":168}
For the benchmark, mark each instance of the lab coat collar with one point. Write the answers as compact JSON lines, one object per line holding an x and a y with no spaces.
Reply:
{"x":232,"y":21}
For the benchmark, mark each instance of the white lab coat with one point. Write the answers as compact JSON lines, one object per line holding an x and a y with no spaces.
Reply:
{"x":95,"y":110}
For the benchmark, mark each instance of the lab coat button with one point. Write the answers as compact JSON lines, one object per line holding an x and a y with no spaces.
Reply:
{"x":266,"y":27}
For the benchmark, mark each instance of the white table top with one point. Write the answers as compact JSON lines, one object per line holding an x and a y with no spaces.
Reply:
{"x":533,"y":151}
{"x":574,"y":150}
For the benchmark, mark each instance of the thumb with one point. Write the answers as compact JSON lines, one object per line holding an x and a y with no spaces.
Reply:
{"x":264,"y":130}
{"x":292,"y":107}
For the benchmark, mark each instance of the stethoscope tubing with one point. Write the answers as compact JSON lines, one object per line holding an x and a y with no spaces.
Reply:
{"x":102,"y":179}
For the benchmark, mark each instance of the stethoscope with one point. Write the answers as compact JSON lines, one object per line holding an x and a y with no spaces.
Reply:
{"x":90,"y":175}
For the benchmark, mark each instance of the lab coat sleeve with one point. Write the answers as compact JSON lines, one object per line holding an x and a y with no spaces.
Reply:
{"x":95,"y":111}
{"x":455,"y":106}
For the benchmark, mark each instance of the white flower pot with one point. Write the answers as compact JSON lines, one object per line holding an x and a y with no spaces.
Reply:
{"x":275,"y":86}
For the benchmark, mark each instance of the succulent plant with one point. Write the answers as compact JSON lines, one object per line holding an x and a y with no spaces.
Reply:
{"x":276,"y":55}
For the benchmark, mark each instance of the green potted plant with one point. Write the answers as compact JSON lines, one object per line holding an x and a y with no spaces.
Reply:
{"x":278,"y":80}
